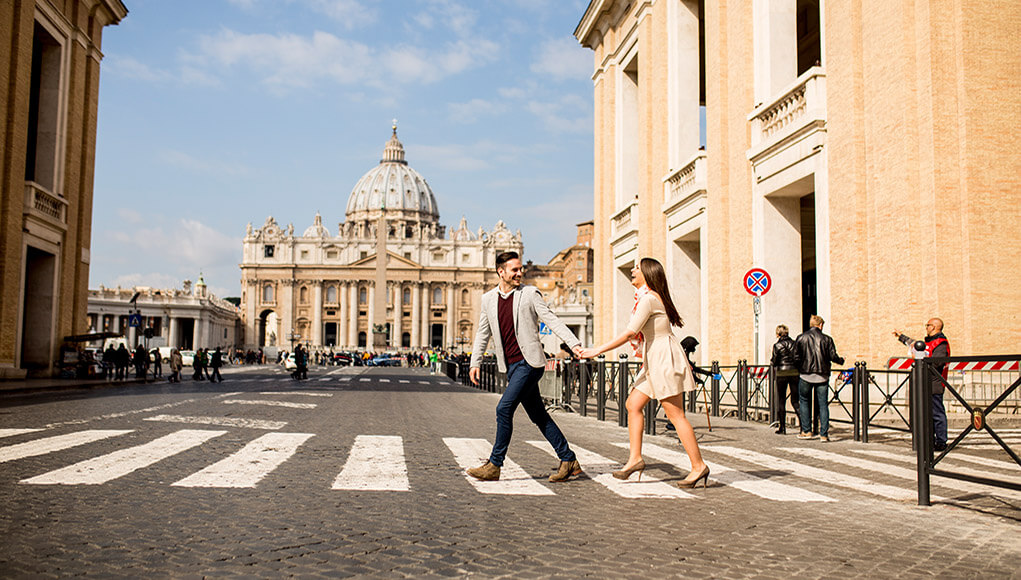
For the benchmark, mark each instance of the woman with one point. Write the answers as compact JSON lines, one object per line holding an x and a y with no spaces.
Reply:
{"x":176,"y":364}
{"x":665,"y":372}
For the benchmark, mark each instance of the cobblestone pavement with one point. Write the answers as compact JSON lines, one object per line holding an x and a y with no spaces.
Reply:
{"x":356,"y":472}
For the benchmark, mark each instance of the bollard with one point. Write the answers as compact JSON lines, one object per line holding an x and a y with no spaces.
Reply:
{"x":866,"y":412}
{"x":855,"y":401}
{"x":650,"y":417}
{"x":921,"y":428}
{"x":601,"y":388}
{"x":716,"y":388}
{"x":742,"y":390}
{"x":583,"y":380}
{"x":622,"y":391}
{"x":771,"y":395}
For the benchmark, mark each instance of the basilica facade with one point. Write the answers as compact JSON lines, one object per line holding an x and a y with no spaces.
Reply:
{"x":322,"y":289}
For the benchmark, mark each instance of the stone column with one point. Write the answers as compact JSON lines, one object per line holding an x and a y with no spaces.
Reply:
{"x":352,"y":310}
{"x":175,"y":329}
{"x":286,"y":312}
{"x":451,"y":318}
{"x":370,"y":338}
{"x":253,"y":300}
{"x":342,"y":327}
{"x":416,"y":314}
{"x":196,"y":334}
{"x":398,"y":314}
{"x":426,"y":312}
{"x":317,"y":312}
{"x":132,"y":336}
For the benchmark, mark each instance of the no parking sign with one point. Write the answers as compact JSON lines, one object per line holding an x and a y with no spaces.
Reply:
{"x":757,"y":282}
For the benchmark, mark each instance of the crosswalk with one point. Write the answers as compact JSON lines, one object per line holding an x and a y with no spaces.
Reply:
{"x":378,"y":463}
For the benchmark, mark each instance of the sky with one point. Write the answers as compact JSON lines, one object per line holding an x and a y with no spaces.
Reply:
{"x":217,"y":113}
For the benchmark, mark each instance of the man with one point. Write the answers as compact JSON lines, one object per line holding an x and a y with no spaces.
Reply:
{"x":510,"y":315}
{"x":815,"y":353}
{"x":784,"y":361}
{"x":216,"y":362}
{"x":936,"y":345}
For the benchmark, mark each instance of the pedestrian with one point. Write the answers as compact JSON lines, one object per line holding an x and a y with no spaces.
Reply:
{"x":199,"y":364}
{"x":785,"y":370}
{"x":141,"y":361}
{"x":936,"y":346}
{"x":110,"y":361}
{"x":510,"y":315}
{"x":815,"y":352}
{"x":157,"y":363}
{"x":176,"y":364}
{"x":123,"y":360}
{"x":665,"y":372}
{"x":216,"y":361}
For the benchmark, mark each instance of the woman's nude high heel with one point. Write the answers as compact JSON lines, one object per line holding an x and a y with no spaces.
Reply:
{"x":690,"y":483}
{"x":626,"y":473}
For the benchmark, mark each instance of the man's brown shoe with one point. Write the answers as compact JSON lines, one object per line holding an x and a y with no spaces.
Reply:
{"x":568,"y":469}
{"x":485,"y":472}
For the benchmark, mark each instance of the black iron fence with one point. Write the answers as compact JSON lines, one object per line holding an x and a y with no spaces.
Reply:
{"x":927,"y":373}
{"x":866,"y":400}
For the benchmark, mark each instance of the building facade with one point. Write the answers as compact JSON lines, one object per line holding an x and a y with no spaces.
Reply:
{"x":50,"y":55}
{"x":392,"y":276}
{"x":566,"y":284}
{"x":861,"y":153}
{"x":188,"y":318}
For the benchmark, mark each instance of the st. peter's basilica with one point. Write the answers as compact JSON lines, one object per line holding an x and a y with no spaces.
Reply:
{"x":320,"y":289}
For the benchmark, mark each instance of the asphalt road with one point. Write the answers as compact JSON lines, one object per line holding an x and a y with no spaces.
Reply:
{"x":359,"y":472}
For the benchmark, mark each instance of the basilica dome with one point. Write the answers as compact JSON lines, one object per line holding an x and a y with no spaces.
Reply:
{"x":394,"y":186}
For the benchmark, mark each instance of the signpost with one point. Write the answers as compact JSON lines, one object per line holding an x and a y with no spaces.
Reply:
{"x":757,"y":282}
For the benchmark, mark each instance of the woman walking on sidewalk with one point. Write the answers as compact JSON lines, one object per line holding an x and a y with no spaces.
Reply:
{"x":665,"y":372}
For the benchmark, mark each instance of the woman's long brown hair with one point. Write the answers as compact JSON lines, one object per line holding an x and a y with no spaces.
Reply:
{"x":655,"y":279}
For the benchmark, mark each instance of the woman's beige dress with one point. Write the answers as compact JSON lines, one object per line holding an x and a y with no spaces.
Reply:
{"x":665,"y":371}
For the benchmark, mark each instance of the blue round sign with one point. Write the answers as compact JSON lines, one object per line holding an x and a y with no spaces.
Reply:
{"x":757,"y":282}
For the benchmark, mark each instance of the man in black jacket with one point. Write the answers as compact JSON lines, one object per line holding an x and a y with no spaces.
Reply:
{"x":815,"y":352}
{"x":785,"y":365}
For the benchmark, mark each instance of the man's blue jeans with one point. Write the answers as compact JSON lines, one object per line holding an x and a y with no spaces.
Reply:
{"x":523,"y":388}
{"x":822,"y":401}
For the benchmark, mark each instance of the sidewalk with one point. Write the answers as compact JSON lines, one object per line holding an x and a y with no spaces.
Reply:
{"x":56,"y":383}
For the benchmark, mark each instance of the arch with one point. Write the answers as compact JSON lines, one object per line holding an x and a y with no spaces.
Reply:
{"x":363,"y":295}
{"x":303,"y":295}
{"x":268,"y":293}
{"x":406,"y":339}
{"x":466,"y":298}
{"x":406,"y":295}
{"x":362,"y":339}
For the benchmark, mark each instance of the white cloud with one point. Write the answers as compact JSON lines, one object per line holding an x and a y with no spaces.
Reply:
{"x":563,"y":59}
{"x":130,"y":216}
{"x":348,"y":13}
{"x":474,"y":109}
{"x":569,"y":114}
{"x":191,"y":163}
{"x":131,"y":68}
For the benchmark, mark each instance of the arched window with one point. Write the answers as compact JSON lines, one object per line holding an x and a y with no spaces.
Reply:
{"x":331,"y":295}
{"x":267,"y":293}
{"x":406,"y":296}
{"x":303,"y":295}
{"x":437,"y":296}
{"x":363,"y":296}
{"x":465,"y":298}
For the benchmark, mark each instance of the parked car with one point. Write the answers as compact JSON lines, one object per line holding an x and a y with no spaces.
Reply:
{"x":289,"y":363}
{"x":343,"y":359}
{"x":187,"y":358}
{"x":385,"y":360}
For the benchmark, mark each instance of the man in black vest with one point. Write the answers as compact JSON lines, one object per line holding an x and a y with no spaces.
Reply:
{"x":936,"y":345}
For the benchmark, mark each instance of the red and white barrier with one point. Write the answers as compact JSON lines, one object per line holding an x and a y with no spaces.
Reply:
{"x":904,"y":364}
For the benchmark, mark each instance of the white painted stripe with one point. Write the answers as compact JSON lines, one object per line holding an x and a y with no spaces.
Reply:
{"x":405,"y":381}
{"x":423,"y":382}
{"x":55,"y":443}
{"x":384,"y":380}
{"x":753,"y":484}
{"x":220,"y":421}
{"x":345,"y":378}
{"x":375,"y":463}
{"x":364,"y":380}
{"x":134,"y":411}
{"x":513,"y":479}
{"x":268,"y":380}
{"x":13,"y":432}
{"x":323,"y":380}
{"x":815,"y":473}
{"x":599,"y":469}
{"x":302,"y":393}
{"x":270,"y":403}
{"x":248,"y":466}
{"x":120,"y":463}
{"x":951,"y":459}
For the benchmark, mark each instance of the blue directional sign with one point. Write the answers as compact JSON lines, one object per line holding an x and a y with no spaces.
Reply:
{"x":135,"y":320}
{"x":543,"y":329}
{"x":757,"y":282}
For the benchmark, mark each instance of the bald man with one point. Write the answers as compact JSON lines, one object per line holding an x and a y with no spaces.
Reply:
{"x":936,"y":345}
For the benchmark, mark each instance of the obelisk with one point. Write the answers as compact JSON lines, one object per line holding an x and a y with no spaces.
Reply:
{"x":378,"y":322}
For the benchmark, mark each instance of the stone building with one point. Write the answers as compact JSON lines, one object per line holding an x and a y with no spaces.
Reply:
{"x":188,"y":318}
{"x":566,"y":284}
{"x":49,"y":58}
{"x":863,"y":153}
{"x":334,"y":290}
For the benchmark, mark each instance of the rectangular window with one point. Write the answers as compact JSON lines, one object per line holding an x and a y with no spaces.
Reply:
{"x":304,"y":254}
{"x":267,"y":251}
{"x":331,"y":254}
{"x":43,"y":113}
{"x":438,"y":256}
{"x":466,"y":258}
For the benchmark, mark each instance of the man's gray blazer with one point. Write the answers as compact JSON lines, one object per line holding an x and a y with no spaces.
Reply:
{"x":529,"y":310}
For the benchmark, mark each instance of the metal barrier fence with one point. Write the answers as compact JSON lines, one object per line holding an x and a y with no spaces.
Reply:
{"x":924,"y":374}
{"x":860,"y":397}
